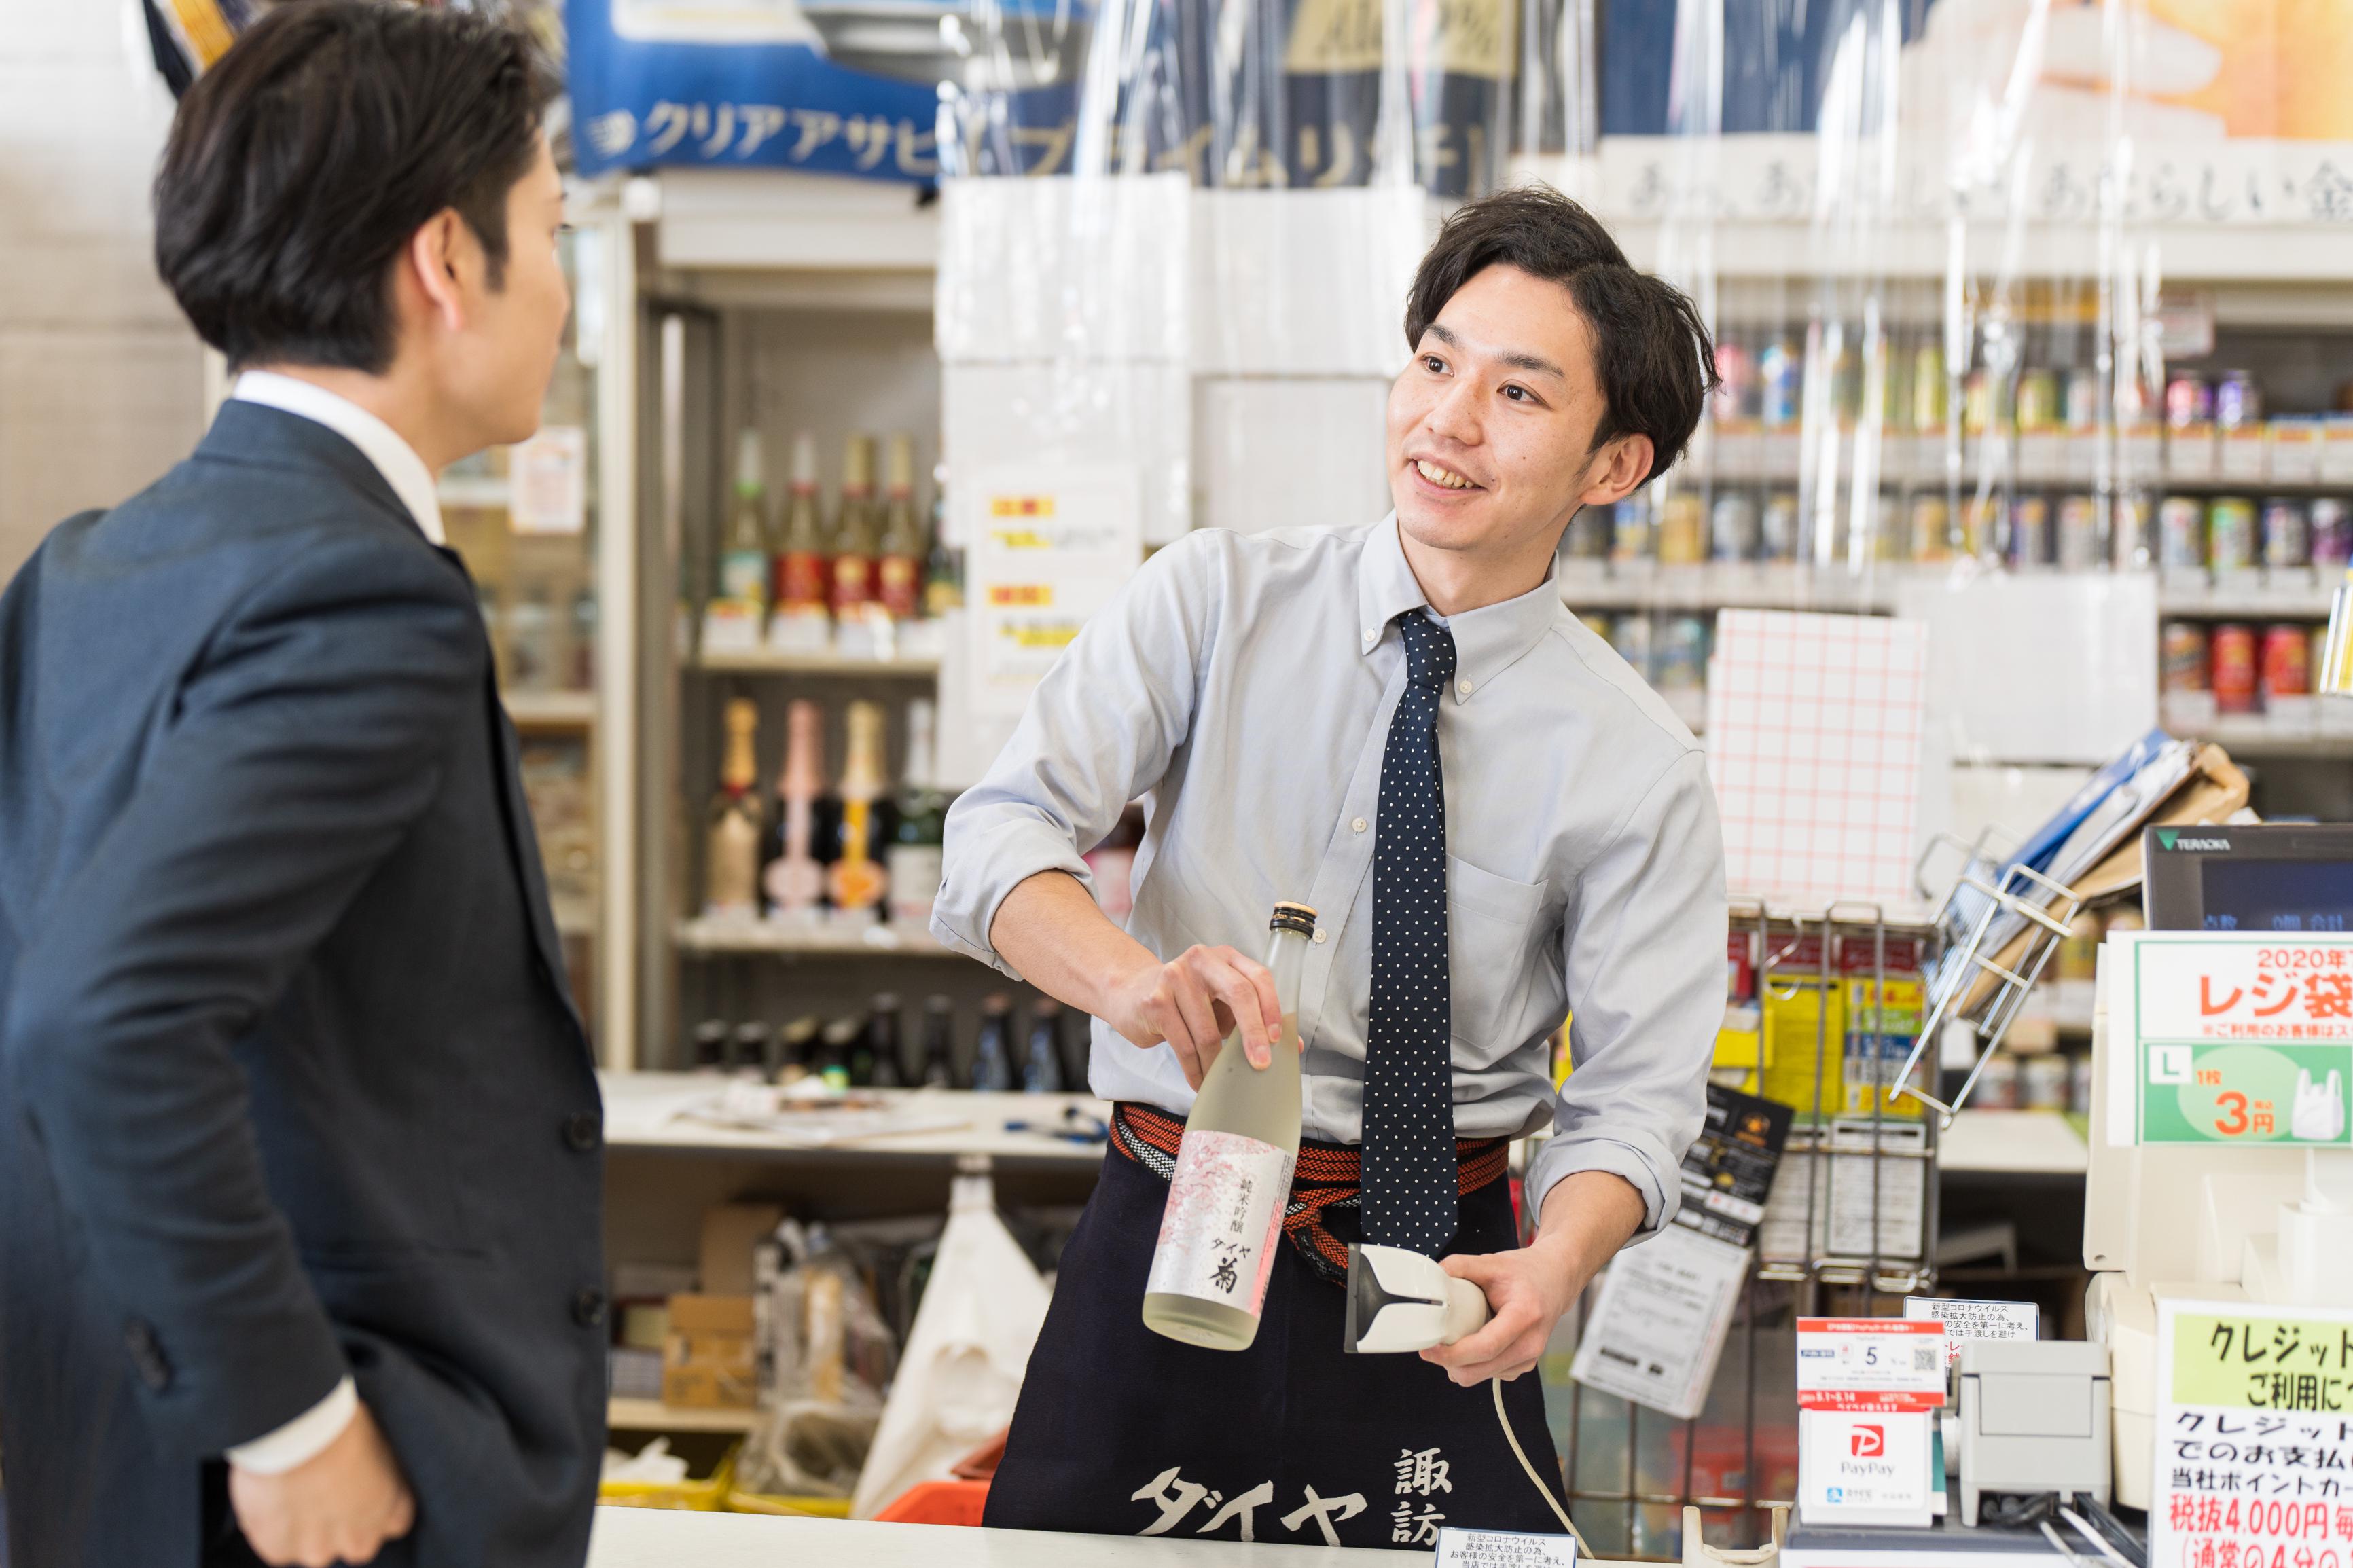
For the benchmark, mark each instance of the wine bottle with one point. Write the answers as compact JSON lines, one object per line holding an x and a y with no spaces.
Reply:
{"x":710,"y":1046}
{"x":1041,"y":1066}
{"x":943,"y":566}
{"x":833,"y":1056}
{"x":792,"y":880}
{"x":860,"y":875}
{"x":747,"y":1051}
{"x":1232,"y":1181}
{"x":887,"y":1066}
{"x":939,"y":1043}
{"x":743,"y":559}
{"x":796,"y":1049}
{"x":802,"y":623}
{"x":992,"y":1049}
{"x":855,"y":537}
{"x":922,"y":827}
{"x":899,"y":565}
{"x":731,"y":882}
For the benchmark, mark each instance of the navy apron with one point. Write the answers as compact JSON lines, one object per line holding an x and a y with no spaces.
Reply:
{"x":1120,"y":1431}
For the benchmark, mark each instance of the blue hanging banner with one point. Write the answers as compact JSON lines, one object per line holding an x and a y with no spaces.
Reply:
{"x":771,"y":84}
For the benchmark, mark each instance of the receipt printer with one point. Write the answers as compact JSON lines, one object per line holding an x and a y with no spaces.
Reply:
{"x":2034,"y":1418}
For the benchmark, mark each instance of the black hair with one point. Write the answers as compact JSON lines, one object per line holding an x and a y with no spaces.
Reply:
{"x":1651,"y":349}
{"x":302,"y":162}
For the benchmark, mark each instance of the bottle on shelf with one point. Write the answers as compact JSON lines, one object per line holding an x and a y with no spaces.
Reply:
{"x":939,"y":1043}
{"x":1227,"y":1198}
{"x":835,"y":1044}
{"x":802,"y":622}
{"x":887,"y":1066}
{"x":792,"y":877}
{"x":922,"y":827}
{"x":748,"y":1048}
{"x":992,"y":1049}
{"x":856,"y":537}
{"x":943,"y":566}
{"x":857,"y":878}
{"x":796,"y":1049}
{"x":710,"y":1046}
{"x":738,"y":612}
{"x":899,"y":564}
{"x":861,"y":1053}
{"x":1041,"y":1063}
{"x":731,"y":873}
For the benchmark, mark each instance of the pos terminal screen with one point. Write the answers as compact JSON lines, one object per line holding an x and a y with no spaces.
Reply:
{"x":2277,"y":895}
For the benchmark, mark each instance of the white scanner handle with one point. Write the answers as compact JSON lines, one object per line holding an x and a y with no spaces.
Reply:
{"x":1466,"y":1310}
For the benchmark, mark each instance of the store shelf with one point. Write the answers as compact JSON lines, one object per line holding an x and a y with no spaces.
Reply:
{"x":2252,"y":738}
{"x":765,"y":661}
{"x":485,"y":491}
{"x":551,"y":709}
{"x":2014,"y":1144}
{"x":719,"y":937}
{"x":655,"y":1110}
{"x":653,"y":1415}
{"x":1781,"y":585}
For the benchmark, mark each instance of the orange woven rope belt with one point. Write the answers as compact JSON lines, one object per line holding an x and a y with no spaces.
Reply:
{"x":1325,"y":1185}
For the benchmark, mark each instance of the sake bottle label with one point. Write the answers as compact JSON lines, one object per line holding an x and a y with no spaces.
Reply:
{"x":1224,"y":1217}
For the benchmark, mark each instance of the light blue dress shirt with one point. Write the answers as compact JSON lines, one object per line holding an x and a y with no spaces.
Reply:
{"x":1244,"y":684}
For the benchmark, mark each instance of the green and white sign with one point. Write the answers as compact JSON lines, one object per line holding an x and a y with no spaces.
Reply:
{"x":2230,"y":1038}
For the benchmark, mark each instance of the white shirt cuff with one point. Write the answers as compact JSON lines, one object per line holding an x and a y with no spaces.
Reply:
{"x":303,"y":1439}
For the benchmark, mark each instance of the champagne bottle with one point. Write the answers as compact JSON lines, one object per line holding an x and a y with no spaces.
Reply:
{"x":943,"y":567}
{"x":922,"y":827}
{"x":1232,"y":1181}
{"x":1041,"y":1066}
{"x":731,"y":875}
{"x":801,"y":622}
{"x":855,"y":539}
{"x":792,"y":881}
{"x":992,"y":1051}
{"x":939,"y":1043}
{"x":857,"y":876}
{"x":899,"y":567}
{"x":886,"y":1063}
{"x":744,"y":560}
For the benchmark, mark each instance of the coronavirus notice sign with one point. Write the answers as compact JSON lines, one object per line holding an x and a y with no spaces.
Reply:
{"x":2255,"y":1439}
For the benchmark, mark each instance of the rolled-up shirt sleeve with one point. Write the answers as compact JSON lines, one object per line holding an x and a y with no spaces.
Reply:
{"x":1099,"y":730}
{"x":1644,"y":955}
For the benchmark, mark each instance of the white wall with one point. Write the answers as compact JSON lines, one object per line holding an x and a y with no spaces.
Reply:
{"x":102,"y":381}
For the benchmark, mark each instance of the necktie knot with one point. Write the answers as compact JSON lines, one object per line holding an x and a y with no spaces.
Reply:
{"x":1428,"y":651}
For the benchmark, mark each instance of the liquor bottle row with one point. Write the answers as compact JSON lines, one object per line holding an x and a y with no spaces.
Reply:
{"x":856,"y":581}
{"x":853,"y":845}
{"x":1044,"y":1054}
{"x":540,"y":639}
{"x":2285,"y":538}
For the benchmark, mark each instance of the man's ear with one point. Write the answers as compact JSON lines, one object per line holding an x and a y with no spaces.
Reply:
{"x":1618,"y":470}
{"x":430,"y":263}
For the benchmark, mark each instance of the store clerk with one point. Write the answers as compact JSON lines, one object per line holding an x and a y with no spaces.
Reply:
{"x":1337,"y":716}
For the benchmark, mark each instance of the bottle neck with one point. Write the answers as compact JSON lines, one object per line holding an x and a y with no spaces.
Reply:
{"x":1286,"y":957}
{"x":861,"y":773}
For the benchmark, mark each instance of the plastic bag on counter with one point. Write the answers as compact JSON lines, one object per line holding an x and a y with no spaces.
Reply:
{"x":980,"y":1315}
{"x":828,"y":1358}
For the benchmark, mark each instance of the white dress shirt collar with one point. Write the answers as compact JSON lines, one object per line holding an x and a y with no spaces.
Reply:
{"x":378,"y":442}
{"x":1487,"y":640}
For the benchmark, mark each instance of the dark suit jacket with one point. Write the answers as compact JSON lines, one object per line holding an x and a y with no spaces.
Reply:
{"x":289,"y":1086}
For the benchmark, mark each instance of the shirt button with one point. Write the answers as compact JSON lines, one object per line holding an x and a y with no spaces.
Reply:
{"x":1319,"y":937}
{"x":1368,"y":633}
{"x":1464,"y":688}
{"x":1359,"y":824}
{"x":588,"y":1306}
{"x":580,"y":1129}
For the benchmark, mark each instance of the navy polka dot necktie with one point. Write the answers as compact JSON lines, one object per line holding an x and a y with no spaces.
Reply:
{"x":1409,"y":1155}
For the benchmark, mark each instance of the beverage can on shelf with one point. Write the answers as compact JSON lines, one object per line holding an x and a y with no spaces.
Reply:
{"x":2082,"y":400}
{"x":1932,"y":523}
{"x":2237,"y":400}
{"x":2231,"y":669}
{"x":2181,"y":533}
{"x":2030,"y":531}
{"x":2287,"y":661}
{"x":1778,"y":375}
{"x":2181,"y":657}
{"x":1630,"y":534}
{"x":2079,"y":533}
{"x":1890,"y":539}
{"x":2332,"y":531}
{"x":2132,"y":541}
{"x":1631,"y":635}
{"x":1928,"y":387}
{"x":1735,"y":391}
{"x":1680,"y":653}
{"x":2038,"y":400}
{"x":2043,"y":1081}
{"x":1732,"y":526}
{"x":1997,"y":1087}
{"x":2230,"y":533}
{"x":2188,"y":400}
{"x":1777,"y":535}
{"x":1682,"y":530}
{"x":2287,"y":534}
{"x":1977,"y":402}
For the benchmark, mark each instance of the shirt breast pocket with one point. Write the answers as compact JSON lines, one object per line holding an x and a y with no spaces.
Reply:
{"x":1491,"y":925}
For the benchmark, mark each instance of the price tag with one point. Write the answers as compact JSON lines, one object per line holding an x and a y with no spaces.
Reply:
{"x":2189,"y":452}
{"x":1870,"y":1363}
{"x":1503,"y":1548}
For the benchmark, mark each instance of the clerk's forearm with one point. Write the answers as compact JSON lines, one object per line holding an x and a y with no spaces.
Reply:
{"x":1587,"y":1217}
{"x":1055,"y":936}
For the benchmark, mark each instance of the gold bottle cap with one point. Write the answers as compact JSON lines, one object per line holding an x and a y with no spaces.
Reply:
{"x":1300,"y":918}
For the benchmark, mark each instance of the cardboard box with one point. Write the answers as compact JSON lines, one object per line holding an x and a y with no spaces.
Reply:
{"x":708,"y":1361}
{"x":729,"y":1232}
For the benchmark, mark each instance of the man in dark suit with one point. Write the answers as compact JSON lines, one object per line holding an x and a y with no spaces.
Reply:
{"x":299,"y":1137}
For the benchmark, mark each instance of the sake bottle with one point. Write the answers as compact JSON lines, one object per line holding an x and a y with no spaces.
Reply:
{"x":1224,"y":1219}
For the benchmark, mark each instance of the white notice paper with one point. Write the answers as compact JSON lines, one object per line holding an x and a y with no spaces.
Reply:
{"x":1660,"y":1319}
{"x":1976,"y":1321}
{"x":1051,"y":544}
{"x":1503,"y":1549}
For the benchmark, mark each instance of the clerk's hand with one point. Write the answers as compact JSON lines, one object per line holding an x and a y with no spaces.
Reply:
{"x":1194,"y":1002}
{"x":1527,"y":1290}
{"x":339,"y":1506}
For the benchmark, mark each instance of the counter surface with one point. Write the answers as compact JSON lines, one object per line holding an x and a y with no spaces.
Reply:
{"x":644,"y":1110}
{"x":647,"y":1538}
